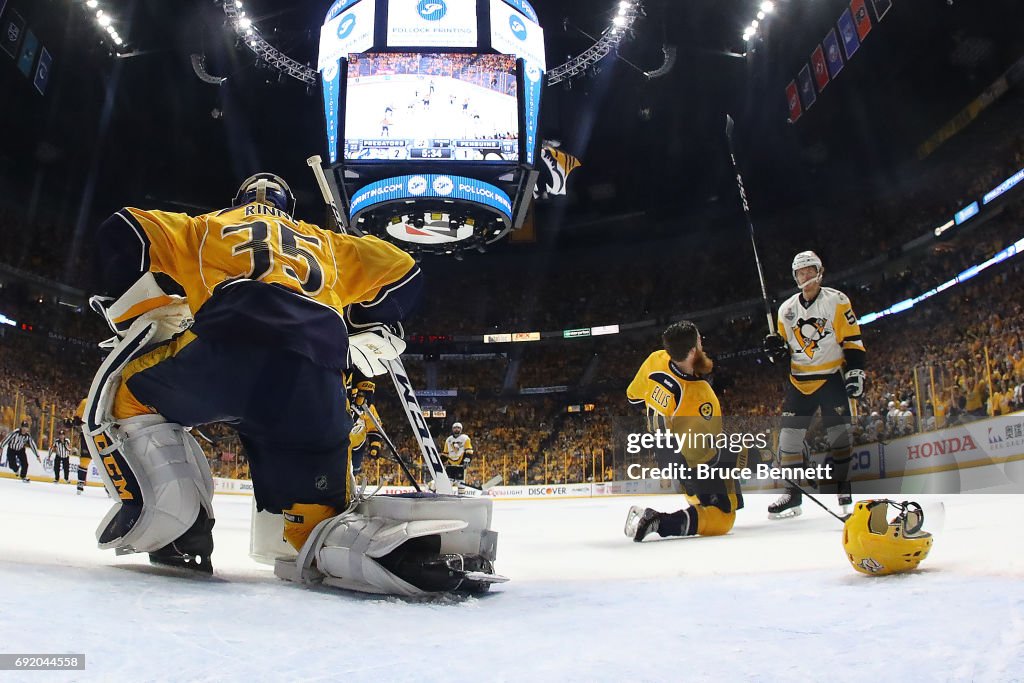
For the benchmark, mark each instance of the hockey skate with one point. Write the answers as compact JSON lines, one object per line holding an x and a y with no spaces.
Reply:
{"x":641,"y":522}
{"x":787,"y":505}
{"x":191,"y":551}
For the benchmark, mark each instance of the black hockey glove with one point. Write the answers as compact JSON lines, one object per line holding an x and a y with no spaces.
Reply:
{"x":374,"y":449}
{"x":854,"y":383}
{"x":776,"y":348}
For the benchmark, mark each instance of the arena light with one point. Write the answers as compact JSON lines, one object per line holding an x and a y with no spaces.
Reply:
{"x":610,"y":39}
{"x":91,"y":4}
{"x":943,"y":228}
{"x":246,"y":29}
{"x":760,"y":15}
{"x":960,"y":278}
{"x":767,"y":6}
{"x":1004,"y":186}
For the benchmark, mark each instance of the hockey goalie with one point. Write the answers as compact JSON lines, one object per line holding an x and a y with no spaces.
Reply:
{"x":249,"y":317}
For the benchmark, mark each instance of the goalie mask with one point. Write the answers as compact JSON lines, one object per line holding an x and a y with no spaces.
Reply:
{"x":877,"y":546}
{"x":266,"y":188}
{"x":807,"y":259}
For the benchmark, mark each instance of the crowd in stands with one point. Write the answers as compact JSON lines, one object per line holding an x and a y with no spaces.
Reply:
{"x":590,"y":287}
{"x":954,"y":357}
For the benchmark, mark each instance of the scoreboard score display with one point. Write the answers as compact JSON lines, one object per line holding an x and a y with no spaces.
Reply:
{"x":431,"y":112}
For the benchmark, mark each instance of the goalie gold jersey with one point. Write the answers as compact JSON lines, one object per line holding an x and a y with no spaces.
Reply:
{"x":251,"y":271}
{"x":823,"y":337}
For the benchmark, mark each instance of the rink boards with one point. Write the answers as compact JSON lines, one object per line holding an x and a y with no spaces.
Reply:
{"x":979,"y":456}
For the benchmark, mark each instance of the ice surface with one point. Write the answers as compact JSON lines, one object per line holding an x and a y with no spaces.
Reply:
{"x":773,"y":601}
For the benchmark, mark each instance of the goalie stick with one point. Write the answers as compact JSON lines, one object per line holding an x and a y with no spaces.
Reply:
{"x":321,"y":181}
{"x":414,"y":412}
{"x":384,"y":435}
{"x":396,"y":369}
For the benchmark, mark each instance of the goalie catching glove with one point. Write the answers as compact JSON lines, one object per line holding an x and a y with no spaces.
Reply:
{"x":370,"y":349}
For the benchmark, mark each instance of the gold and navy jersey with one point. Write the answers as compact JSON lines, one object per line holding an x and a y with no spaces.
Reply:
{"x":823,"y":337}
{"x":458,"y":448}
{"x":677,"y":402}
{"x":253,"y":273}
{"x":364,"y":429}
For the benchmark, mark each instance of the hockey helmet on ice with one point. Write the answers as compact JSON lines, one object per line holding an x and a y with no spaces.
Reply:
{"x":877,"y":546}
{"x":266,"y":188}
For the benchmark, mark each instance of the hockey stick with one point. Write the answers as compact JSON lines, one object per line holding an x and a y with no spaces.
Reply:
{"x":414,"y":413}
{"x":321,"y":181}
{"x":777,"y":458}
{"x":387,"y":440}
{"x":729,"y":123}
{"x":818,"y":502}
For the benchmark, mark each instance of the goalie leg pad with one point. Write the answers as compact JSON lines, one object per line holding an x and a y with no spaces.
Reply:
{"x":161,"y":481}
{"x":401,"y":545}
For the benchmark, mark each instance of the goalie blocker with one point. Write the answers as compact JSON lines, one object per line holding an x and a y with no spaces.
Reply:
{"x":408,"y":544}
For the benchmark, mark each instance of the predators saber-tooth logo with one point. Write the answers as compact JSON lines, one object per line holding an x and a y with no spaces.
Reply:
{"x":809,"y":333}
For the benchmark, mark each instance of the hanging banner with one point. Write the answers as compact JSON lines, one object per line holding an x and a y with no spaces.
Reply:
{"x":820,"y":70}
{"x":793,"y":100}
{"x":848,"y":31}
{"x":833,"y":55}
{"x":27,"y":55}
{"x":10,"y":39}
{"x":861,"y":18}
{"x":807,"y":88}
{"x":42,"y":78}
{"x":882,"y":8}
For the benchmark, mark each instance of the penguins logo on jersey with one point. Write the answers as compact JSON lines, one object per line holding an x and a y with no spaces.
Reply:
{"x":809,"y":334}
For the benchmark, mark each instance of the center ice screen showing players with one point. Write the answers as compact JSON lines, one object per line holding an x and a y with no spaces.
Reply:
{"x":455,"y":107}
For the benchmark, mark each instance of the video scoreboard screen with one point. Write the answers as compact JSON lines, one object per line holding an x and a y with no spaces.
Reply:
{"x":436,"y":107}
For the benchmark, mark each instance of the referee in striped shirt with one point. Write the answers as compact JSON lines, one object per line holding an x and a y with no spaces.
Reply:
{"x":15,"y":443}
{"x":61,"y":452}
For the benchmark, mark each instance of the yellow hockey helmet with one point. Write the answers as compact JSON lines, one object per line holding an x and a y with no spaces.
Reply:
{"x":877,"y":546}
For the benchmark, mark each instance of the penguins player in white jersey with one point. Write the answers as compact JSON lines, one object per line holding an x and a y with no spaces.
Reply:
{"x":817,"y":332}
